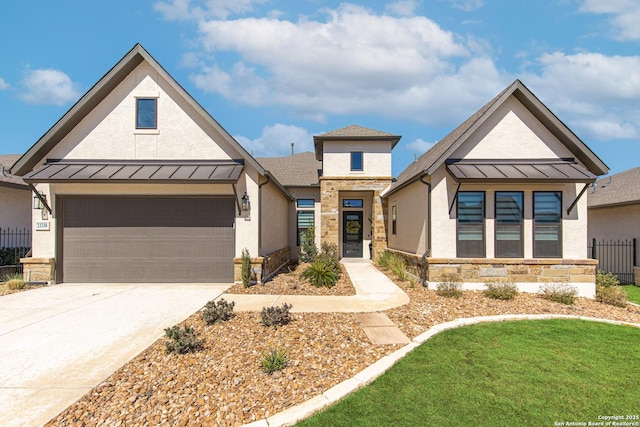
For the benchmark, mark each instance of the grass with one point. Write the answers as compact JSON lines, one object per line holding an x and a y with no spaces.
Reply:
{"x":502,"y":374}
{"x":633,"y":292}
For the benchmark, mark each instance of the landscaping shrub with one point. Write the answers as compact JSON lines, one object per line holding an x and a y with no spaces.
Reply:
{"x":395,"y":264}
{"x":182,"y":340}
{"x":559,"y":292}
{"x":606,"y":280}
{"x":276,"y":316}
{"x":331,"y":250}
{"x":500,"y":290}
{"x":14,"y":281}
{"x":217,"y":311}
{"x":450,"y":286}
{"x":273,"y":360}
{"x":613,"y":295}
{"x":384,"y":259}
{"x":308,"y":249}
{"x":322,"y":272}
{"x":246,"y":268}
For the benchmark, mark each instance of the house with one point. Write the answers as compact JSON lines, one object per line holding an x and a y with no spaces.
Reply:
{"x":614,"y":215}
{"x":15,"y":197}
{"x":137,"y":182}
{"x":499,"y":199}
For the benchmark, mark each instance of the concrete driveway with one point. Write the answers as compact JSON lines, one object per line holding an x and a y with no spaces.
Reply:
{"x":58,"y":342}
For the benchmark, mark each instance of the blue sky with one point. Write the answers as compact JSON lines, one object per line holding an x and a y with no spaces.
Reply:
{"x":275,"y":72}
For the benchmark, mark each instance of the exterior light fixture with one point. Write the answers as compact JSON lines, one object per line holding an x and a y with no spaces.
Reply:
{"x":39,"y":200}
{"x":246,"y":204}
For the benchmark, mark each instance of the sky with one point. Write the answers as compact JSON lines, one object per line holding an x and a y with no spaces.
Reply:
{"x":275,"y":72}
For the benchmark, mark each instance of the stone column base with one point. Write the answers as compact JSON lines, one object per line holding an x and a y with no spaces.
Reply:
{"x":39,"y":269}
{"x":256,"y":268}
{"x":636,"y":275}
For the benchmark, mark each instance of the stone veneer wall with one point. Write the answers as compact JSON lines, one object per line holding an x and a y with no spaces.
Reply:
{"x":330,"y":188}
{"x":262,"y":267}
{"x":38,"y":269}
{"x":636,"y":275}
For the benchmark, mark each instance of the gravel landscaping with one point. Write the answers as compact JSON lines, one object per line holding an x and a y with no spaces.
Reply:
{"x":222,"y":384}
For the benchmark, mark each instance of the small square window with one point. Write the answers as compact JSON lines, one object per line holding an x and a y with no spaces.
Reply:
{"x":146,"y":113}
{"x":356,"y":161}
{"x":305,"y":203}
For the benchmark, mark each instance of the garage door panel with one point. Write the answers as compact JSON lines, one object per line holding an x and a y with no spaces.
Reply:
{"x":115,"y":239}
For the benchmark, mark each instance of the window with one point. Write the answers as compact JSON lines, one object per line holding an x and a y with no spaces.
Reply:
{"x":146,"y":113}
{"x":394,"y":216}
{"x":356,"y":161}
{"x":509,"y":216}
{"x":547,"y":224}
{"x":305,"y":203}
{"x":305,"y":222}
{"x":470,"y":238}
{"x":352,"y":203}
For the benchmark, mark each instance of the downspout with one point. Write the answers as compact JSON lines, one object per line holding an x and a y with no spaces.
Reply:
{"x":260,"y":253}
{"x":427,"y":252}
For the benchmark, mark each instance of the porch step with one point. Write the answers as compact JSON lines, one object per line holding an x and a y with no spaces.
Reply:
{"x":380,"y":329}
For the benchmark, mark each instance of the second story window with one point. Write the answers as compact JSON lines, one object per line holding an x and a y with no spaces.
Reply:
{"x":356,"y":161}
{"x":146,"y":113}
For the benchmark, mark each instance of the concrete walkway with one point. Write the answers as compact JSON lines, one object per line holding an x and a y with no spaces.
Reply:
{"x":374,"y":292}
{"x":58,"y":342}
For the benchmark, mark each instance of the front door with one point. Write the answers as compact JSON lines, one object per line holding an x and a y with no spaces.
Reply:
{"x":352,"y":234}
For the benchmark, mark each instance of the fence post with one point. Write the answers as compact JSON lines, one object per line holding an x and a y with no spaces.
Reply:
{"x":593,"y":249}
{"x":635,"y":252}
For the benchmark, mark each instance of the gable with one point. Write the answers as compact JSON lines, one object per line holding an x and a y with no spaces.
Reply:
{"x":512,"y":132}
{"x":108,"y":132}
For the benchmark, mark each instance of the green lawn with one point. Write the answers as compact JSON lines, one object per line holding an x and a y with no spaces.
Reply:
{"x":633,"y":292}
{"x":529,"y":373}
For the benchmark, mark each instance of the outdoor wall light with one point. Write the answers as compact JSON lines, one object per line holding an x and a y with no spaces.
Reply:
{"x":246,"y":204}
{"x":38,"y":200}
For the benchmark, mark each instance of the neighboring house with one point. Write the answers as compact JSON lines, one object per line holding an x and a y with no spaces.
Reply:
{"x":499,"y":198}
{"x":139,"y":183}
{"x":15,"y":197}
{"x":614,"y":214}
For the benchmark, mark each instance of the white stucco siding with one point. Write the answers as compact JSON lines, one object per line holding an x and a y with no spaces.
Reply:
{"x":615,"y":223}
{"x":512,"y":132}
{"x":337,"y":158}
{"x":15,"y":208}
{"x":109,"y":131}
{"x":275,"y":219}
{"x":411,"y":221}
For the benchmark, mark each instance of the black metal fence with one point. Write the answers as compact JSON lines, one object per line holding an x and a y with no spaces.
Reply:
{"x":617,"y":257}
{"x":14,"y":244}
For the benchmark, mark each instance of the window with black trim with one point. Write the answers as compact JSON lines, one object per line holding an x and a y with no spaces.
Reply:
{"x":305,"y":203}
{"x":547,"y":224}
{"x":394,"y":217}
{"x":509,"y":220}
{"x":146,"y":113}
{"x":306,"y":220}
{"x":357,"y":161}
{"x":470,"y":224}
{"x":352,"y":203}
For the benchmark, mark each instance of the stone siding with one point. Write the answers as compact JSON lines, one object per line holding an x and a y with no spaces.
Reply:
{"x":275,"y":261}
{"x":636,"y":275}
{"x":39,"y":269}
{"x":256,"y":268}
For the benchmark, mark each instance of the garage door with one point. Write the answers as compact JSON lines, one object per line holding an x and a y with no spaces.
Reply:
{"x":122,"y":239}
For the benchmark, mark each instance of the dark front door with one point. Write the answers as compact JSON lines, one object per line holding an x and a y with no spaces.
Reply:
{"x":352,"y":234}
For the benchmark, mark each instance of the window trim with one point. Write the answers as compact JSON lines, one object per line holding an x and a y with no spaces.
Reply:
{"x":560,"y":232}
{"x":308,"y":211}
{"x":361,"y":155}
{"x":496,"y":224}
{"x":155,"y":112}
{"x":484,"y":224}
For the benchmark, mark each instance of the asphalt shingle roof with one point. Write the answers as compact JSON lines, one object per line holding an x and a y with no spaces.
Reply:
{"x":355,"y":131}
{"x":299,"y":170}
{"x":619,"y":189}
{"x":6,"y":179}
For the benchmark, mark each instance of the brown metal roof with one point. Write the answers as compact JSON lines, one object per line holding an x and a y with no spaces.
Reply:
{"x":137,"y":171}
{"x":468,"y":170}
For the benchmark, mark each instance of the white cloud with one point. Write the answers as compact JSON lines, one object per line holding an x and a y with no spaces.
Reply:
{"x":597,"y":94}
{"x":275,"y":141}
{"x":625,"y":15}
{"x":354,"y":62}
{"x":48,"y":87}
{"x":183,"y":10}
{"x":419,"y":146}
{"x":3,"y":84}
{"x":402,"y":7}
{"x":467,"y":5}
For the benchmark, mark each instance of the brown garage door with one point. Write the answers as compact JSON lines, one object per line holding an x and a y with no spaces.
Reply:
{"x":145,"y":239}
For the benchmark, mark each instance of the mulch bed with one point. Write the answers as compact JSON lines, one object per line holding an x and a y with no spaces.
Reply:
{"x":223,"y":384}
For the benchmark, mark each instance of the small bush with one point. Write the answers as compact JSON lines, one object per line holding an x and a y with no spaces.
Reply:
{"x":14,"y":281}
{"x":501,"y":290}
{"x":606,"y":280}
{"x":182,"y":340}
{"x":331,"y":250}
{"x":276,"y":316}
{"x":559,"y":292}
{"x":612,"y":295}
{"x":450,"y":286}
{"x":321,"y":272}
{"x":384,"y":259}
{"x":394,"y":263}
{"x":217,"y":311}
{"x":308,"y":249}
{"x":273,"y":360}
{"x":246,"y":268}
